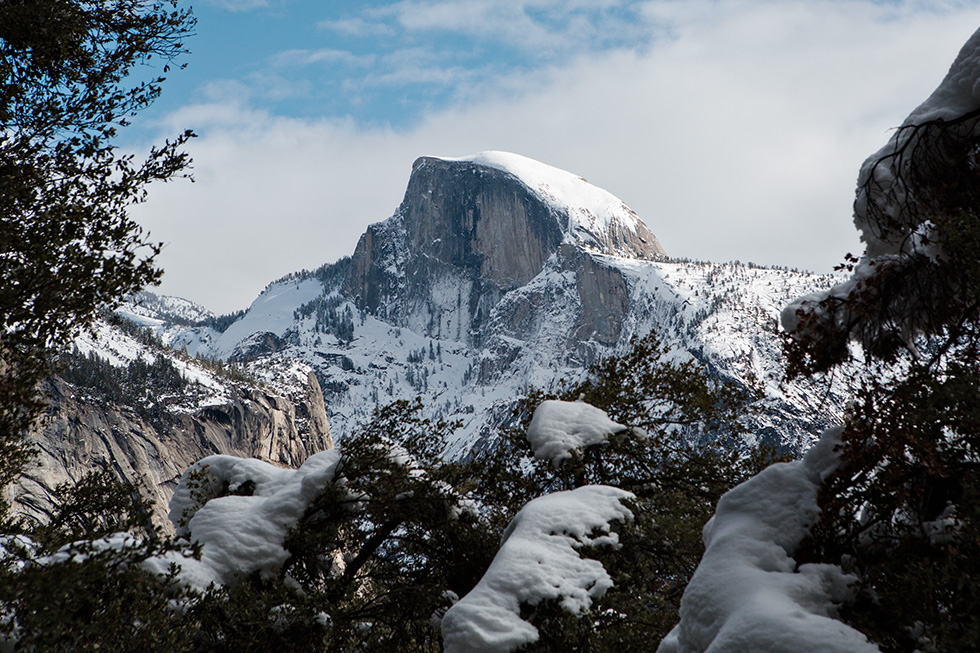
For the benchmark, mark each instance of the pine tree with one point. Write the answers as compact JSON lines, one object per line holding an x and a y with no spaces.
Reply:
{"x":70,"y":74}
{"x":901,"y":512}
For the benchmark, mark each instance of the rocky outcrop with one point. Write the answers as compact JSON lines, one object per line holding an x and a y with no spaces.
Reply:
{"x":81,"y":432}
{"x":497,"y":274}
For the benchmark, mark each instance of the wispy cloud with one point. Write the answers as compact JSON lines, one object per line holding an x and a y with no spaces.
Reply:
{"x":323,"y":55}
{"x":538,"y":28}
{"x":358,"y":26}
{"x":238,"y":5}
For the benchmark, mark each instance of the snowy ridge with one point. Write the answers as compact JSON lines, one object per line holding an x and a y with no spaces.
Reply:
{"x":146,"y":305}
{"x":120,"y":350}
{"x":474,"y":291}
{"x":722,"y":314}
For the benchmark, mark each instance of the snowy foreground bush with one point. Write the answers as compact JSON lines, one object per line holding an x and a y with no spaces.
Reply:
{"x":579,"y":530}
{"x":538,"y":558}
{"x":877,"y":529}
{"x":749,"y":593}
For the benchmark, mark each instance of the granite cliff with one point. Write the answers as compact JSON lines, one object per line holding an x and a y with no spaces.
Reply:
{"x":471,"y":230}
{"x":149,"y":438}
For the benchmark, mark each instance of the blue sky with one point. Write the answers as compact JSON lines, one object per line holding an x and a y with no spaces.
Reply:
{"x":383,"y":63}
{"x":734,"y":128}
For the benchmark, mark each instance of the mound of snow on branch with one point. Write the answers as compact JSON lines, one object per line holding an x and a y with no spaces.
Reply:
{"x":560,"y":427}
{"x":538,"y":560}
{"x":240,"y":535}
{"x":887,"y":208}
{"x":748,"y":593}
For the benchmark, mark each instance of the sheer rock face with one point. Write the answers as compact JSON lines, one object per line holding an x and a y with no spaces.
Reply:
{"x":81,"y":433}
{"x":467,"y":234}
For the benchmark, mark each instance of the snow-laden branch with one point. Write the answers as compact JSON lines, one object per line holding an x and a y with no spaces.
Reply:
{"x":538,"y":560}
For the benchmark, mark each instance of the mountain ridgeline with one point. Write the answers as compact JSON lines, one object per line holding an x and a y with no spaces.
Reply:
{"x":494,"y":275}
{"x":497,"y":273}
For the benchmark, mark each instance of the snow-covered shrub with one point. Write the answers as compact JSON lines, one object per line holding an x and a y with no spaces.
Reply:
{"x":538,"y":560}
{"x":916,"y":209}
{"x":630,"y":425}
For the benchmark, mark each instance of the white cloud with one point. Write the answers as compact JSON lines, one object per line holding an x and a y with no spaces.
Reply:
{"x":298,"y":57}
{"x":738,"y":137}
{"x":533,"y":26}
{"x":358,"y":26}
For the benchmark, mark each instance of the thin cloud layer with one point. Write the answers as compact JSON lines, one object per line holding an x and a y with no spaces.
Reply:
{"x":735,"y":132}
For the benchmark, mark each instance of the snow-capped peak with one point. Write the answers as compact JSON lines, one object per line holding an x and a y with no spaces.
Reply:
{"x":596,"y":217}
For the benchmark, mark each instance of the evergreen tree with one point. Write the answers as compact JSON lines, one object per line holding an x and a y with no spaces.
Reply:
{"x":70,"y":74}
{"x":674,"y":456}
{"x":901,"y":512}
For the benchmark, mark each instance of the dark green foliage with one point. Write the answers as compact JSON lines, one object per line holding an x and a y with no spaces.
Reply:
{"x":382,"y":548}
{"x":100,"y":601}
{"x":97,"y":505}
{"x":70,"y":76}
{"x":255,"y":617}
{"x":903,"y":510}
{"x":143,"y":386}
{"x":222,"y":322}
{"x":327,"y":318}
{"x":922,"y":290}
{"x":60,"y":590}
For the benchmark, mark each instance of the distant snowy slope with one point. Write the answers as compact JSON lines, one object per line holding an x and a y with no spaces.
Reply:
{"x":146,"y":304}
{"x":271,"y":312}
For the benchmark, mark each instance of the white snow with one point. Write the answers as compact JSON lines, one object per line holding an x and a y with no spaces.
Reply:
{"x":559,"y":428}
{"x":748,"y":593}
{"x":241,"y":535}
{"x":537,"y":561}
{"x":725,"y":314}
{"x":592,"y":211}
{"x":956,"y":95}
{"x":272,"y":311}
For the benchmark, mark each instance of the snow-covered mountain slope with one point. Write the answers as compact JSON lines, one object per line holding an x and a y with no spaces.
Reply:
{"x":497,"y":273}
{"x":150,"y":309}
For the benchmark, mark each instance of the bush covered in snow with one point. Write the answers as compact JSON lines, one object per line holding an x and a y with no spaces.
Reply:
{"x":579,"y":533}
{"x":872,"y":542}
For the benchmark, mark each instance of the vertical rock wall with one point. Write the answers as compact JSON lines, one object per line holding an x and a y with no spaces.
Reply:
{"x":81,"y":433}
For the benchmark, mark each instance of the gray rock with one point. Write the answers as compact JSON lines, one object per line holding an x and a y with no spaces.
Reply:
{"x":81,"y":433}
